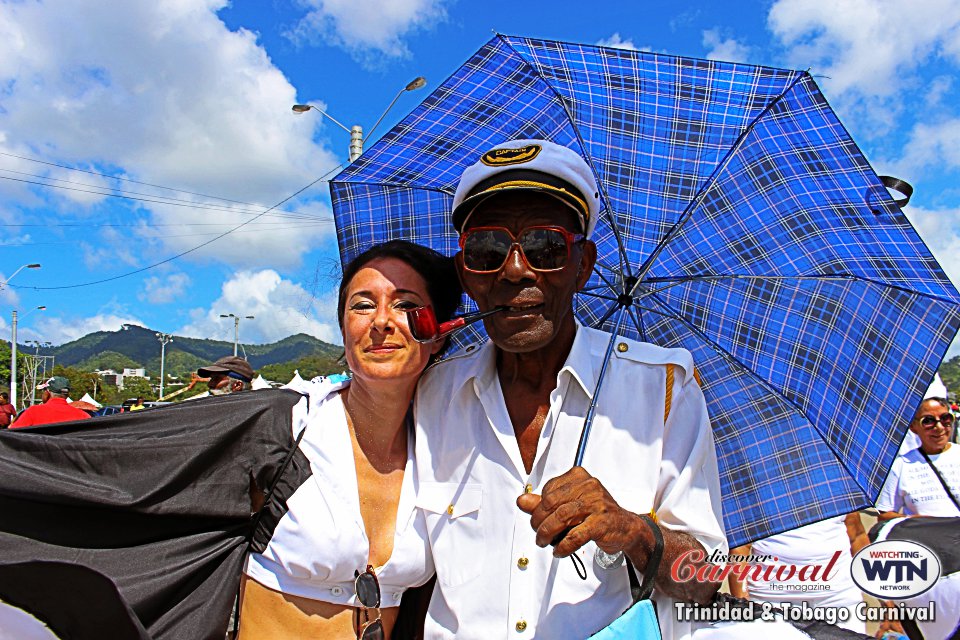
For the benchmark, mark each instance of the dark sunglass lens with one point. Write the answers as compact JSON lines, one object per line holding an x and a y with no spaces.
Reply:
{"x":373,"y":631}
{"x":368,"y":591}
{"x":544,"y":248}
{"x":486,"y":250}
{"x":947,"y":419}
{"x":928,"y":421}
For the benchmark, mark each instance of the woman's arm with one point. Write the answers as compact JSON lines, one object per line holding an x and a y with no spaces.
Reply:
{"x":738,"y":587}
{"x":855,"y":532}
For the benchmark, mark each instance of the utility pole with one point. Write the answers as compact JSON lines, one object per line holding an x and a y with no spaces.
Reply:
{"x":164,"y":338}
{"x":236,"y":329}
{"x":13,"y":361}
{"x":32,"y":376}
{"x":13,"y":348}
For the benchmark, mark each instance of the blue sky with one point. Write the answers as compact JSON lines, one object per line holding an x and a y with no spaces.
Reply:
{"x":127,"y":96}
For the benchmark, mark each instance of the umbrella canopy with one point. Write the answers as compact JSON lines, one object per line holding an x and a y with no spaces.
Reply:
{"x":741,"y":222}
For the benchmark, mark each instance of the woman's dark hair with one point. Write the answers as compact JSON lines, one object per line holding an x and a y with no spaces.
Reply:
{"x":437,"y":271}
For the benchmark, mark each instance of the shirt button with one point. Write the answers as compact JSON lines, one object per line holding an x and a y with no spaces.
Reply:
{"x":523,"y":562}
{"x":622,"y":347}
{"x":521,"y":625}
{"x":528,"y":488}
{"x":337,"y":591}
{"x":450,"y":510}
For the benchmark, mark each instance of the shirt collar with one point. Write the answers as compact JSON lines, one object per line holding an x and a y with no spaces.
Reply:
{"x":581,"y":364}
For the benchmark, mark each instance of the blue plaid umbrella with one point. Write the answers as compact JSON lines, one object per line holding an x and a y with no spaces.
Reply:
{"x":743,"y":223}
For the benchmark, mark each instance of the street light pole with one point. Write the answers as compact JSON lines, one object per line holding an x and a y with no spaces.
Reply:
{"x":13,"y":352}
{"x":21,"y":268}
{"x":236,"y":329}
{"x":164,"y":338}
{"x":356,"y":131}
{"x":13,"y":341}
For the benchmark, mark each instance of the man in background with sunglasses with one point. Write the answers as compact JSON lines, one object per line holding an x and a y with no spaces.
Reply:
{"x":498,"y":427}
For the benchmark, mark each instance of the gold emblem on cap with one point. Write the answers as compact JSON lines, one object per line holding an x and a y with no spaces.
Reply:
{"x":504,"y":157}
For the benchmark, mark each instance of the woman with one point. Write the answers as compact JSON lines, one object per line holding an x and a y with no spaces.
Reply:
{"x":925,"y":481}
{"x":352,"y":527}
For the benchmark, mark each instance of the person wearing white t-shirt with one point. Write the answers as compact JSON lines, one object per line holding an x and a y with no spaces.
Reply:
{"x":915,"y":486}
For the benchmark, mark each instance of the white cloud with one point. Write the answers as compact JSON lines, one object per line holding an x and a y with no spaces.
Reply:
{"x":940,"y":229}
{"x":617,"y":42}
{"x":866,"y":47}
{"x":8,"y":296}
{"x":280,"y":308}
{"x":162,"y":92}
{"x":367,"y":27}
{"x":726,"y":49}
{"x":929,"y":146}
{"x":59,"y":330}
{"x":277,"y":240}
{"x":159,"y":290}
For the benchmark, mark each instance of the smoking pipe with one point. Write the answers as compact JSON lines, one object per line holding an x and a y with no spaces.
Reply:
{"x":425,"y":328}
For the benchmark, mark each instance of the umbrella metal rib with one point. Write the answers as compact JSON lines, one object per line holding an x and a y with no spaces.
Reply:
{"x":701,"y":194}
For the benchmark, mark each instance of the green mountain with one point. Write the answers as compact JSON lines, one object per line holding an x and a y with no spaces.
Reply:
{"x":135,"y":347}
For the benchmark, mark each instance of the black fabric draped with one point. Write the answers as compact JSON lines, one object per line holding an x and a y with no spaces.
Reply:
{"x":157,"y":501}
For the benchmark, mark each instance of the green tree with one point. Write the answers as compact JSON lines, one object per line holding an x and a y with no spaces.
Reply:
{"x":81,"y":382}
{"x":309,"y":367}
{"x":137,"y":388}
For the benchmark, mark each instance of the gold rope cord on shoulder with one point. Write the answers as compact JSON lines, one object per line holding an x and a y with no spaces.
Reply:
{"x":668,"y":398}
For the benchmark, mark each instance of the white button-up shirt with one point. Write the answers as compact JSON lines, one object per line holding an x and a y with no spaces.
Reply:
{"x":493,"y":581}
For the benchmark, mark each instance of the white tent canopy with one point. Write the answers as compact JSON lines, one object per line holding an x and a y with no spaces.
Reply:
{"x":89,"y":399}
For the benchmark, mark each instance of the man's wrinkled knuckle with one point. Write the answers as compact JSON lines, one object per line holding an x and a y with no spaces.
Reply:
{"x":549,"y":502}
{"x":566,"y":511}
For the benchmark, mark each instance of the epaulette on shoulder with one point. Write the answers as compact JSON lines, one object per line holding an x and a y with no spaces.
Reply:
{"x":674,"y":360}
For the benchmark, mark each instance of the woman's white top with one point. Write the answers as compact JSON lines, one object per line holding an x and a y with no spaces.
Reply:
{"x":321,"y":542}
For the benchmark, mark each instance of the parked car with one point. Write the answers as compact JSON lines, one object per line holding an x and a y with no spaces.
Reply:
{"x":109,"y":410}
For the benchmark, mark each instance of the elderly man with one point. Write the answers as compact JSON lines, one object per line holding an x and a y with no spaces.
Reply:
{"x":55,"y":407}
{"x":227,"y":375}
{"x":498,"y":427}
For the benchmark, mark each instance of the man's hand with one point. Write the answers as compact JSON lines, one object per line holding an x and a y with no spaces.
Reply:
{"x":578,"y":504}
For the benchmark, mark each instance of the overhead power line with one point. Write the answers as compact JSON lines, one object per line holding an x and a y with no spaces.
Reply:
{"x":188,"y":251}
{"x":132,"y":195}
{"x":124,"y":179}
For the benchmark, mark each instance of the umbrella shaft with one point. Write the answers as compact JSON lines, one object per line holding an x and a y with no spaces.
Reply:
{"x":588,"y":420}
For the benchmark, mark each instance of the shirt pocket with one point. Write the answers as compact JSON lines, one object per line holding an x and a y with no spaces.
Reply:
{"x":454,"y":525}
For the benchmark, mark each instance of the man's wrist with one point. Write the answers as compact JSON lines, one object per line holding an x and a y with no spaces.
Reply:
{"x":641,"y":541}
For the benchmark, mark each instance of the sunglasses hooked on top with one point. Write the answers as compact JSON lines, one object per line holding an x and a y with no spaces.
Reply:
{"x":485,"y":249}
{"x":945,"y":419}
{"x":368,"y":594}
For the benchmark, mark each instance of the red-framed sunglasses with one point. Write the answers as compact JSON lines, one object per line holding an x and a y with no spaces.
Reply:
{"x":544,"y":248}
